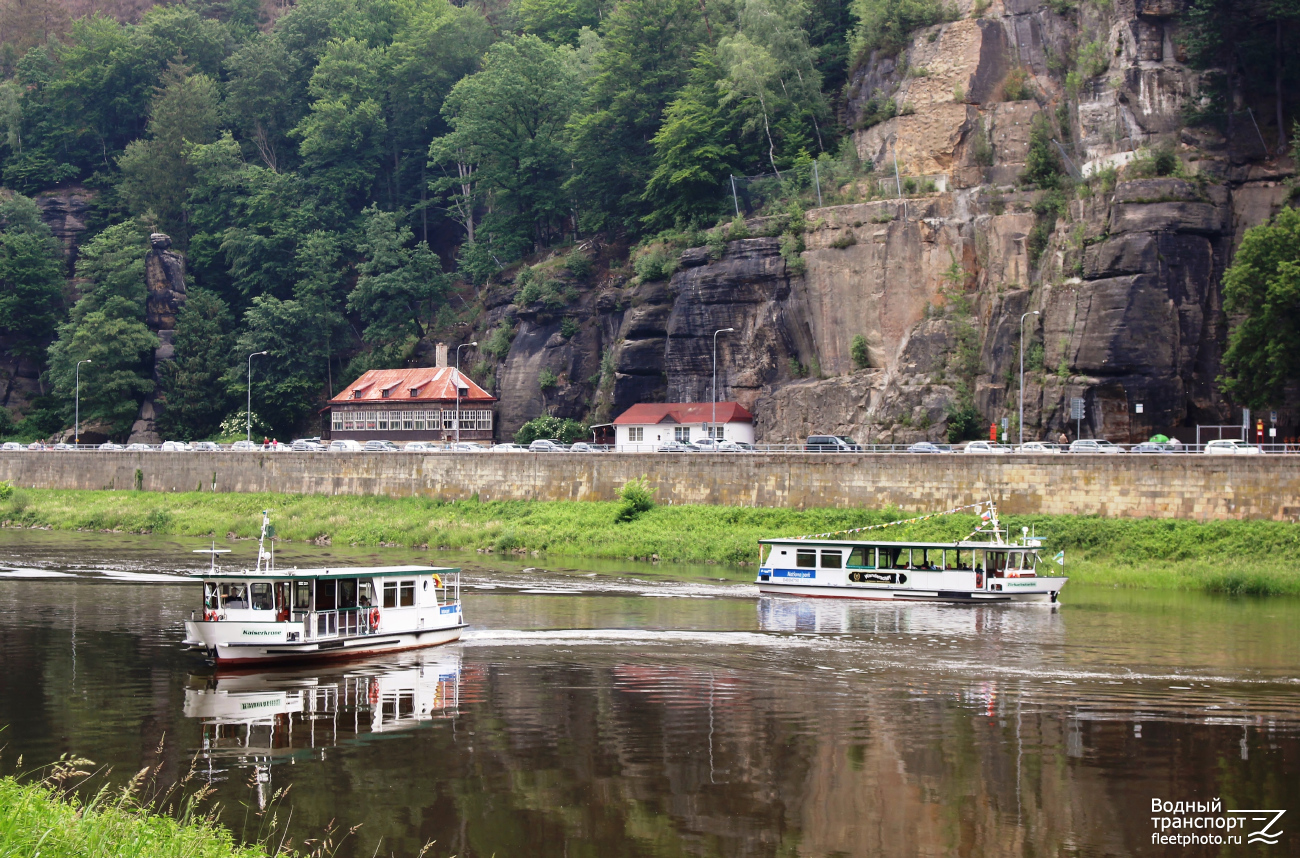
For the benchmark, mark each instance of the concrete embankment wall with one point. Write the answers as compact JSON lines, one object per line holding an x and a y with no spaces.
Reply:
{"x":1189,"y":486}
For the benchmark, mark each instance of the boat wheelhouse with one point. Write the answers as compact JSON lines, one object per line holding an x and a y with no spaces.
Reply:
{"x":267,"y":614}
{"x":967,"y":570}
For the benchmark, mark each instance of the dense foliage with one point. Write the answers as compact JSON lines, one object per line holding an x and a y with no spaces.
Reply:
{"x":333,"y":168}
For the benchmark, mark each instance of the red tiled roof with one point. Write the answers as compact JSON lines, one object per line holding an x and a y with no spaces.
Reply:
{"x":432,"y":384}
{"x":649,"y":413}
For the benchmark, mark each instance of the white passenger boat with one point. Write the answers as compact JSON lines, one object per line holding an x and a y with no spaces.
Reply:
{"x":983,"y":567}
{"x":267,"y":615}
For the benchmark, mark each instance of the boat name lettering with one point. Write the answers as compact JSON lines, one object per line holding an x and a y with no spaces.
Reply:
{"x":449,"y":609}
{"x":794,"y":573}
{"x":254,"y":633}
{"x":260,"y":704}
{"x":1022,"y":583}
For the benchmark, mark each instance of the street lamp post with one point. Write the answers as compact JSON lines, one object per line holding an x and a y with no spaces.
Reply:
{"x":457,"y":383}
{"x":76,"y":424}
{"x":248,"y":410}
{"x":1022,"y":374}
{"x":713,"y":426}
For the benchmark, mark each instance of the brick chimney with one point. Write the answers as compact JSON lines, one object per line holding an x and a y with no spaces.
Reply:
{"x":440,"y":350}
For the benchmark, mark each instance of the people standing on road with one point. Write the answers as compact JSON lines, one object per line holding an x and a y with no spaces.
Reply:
{"x":1063,"y":440}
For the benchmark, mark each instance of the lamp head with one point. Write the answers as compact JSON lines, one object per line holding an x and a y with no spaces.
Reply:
{"x":473,"y":343}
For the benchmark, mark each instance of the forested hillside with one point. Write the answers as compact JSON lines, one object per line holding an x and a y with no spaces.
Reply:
{"x":348,"y":180}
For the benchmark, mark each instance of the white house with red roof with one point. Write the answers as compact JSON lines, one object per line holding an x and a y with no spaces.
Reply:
{"x":413,"y":405}
{"x":645,"y":426}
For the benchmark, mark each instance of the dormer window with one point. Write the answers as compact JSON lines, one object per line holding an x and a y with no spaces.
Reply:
{"x":415,"y":391}
{"x":384,"y":393}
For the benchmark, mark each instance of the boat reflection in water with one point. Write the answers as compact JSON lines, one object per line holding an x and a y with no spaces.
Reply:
{"x":844,"y":616}
{"x":253,"y":719}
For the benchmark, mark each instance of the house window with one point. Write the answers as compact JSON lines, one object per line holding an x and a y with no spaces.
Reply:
{"x":383,"y":420}
{"x":432,"y":419}
{"x":408,"y":421}
{"x":417,"y":421}
{"x":336,"y":420}
{"x":636,"y":433}
{"x":449,"y":420}
{"x":682,"y":433}
{"x":715,"y":432}
{"x":370,"y":420}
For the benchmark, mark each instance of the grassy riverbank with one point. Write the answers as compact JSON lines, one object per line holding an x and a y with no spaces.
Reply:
{"x":34,"y":820}
{"x":1249,"y":557}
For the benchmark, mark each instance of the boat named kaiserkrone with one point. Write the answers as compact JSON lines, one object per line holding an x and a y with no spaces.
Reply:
{"x":990,"y":569}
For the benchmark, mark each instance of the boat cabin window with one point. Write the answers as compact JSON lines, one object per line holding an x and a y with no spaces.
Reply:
{"x":261,"y":596}
{"x":995,"y":562}
{"x":399,"y":594}
{"x":961,"y":559}
{"x":365,"y":594}
{"x":302,"y":596}
{"x":234,"y":596}
{"x":326,"y":595}
{"x":832,"y":560}
{"x":407,"y":594}
{"x":863,"y":557}
{"x":891,"y":557}
{"x":806,"y":558}
{"x":347,"y":592}
{"x":210,"y":595}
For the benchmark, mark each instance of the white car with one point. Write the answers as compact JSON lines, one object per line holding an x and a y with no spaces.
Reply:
{"x":205,"y":447}
{"x":307,"y":445}
{"x":1038,"y":447}
{"x":1230,"y":447}
{"x":986,"y":447}
{"x":12,"y":445}
{"x":509,"y":448}
{"x":1094,"y":445}
{"x":345,"y":445}
{"x":721,"y":445}
{"x":245,"y":447}
{"x":466,"y":447}
{"x":419,"y":447}
{"x":176,"y":447}
{"x":139,"y":448}
{"x":107,"y":445}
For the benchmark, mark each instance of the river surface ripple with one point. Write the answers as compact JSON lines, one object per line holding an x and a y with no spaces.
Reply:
{"x":634,"y":710}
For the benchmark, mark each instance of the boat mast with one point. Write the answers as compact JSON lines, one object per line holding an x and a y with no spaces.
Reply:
{"x":262,"y":554}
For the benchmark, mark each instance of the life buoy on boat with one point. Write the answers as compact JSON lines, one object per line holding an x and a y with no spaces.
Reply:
{"x":374,"y":692}
{"x":210,"y":616}
{"x":979,"y":579}
{"x":282,"y":615}
{"x":374,"y":619}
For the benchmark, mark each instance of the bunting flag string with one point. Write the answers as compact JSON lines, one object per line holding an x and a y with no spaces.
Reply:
{"x":991,"y":514}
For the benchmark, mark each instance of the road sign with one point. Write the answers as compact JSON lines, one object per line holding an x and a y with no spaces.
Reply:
{"x":1139,"y":408}
{"x":1076,"y":408}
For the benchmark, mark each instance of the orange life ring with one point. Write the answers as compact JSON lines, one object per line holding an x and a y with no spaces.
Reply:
{"x":210,"y":616}
{"x":374,"y":619}
{"x":282,"y":615}
{"x":374,"y":692}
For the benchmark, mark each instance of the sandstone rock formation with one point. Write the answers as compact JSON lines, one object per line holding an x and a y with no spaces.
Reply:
{"x":164,"y":275}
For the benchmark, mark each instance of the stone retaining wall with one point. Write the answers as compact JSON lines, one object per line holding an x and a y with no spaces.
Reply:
{"x":1197,"y":487}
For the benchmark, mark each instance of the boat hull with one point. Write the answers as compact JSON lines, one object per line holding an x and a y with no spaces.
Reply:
{"x":241,"y":654}
{"x":1046,"y":591}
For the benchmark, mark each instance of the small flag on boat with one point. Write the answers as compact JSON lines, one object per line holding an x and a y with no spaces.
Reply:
{"x":986,"y":515}
{"x":1060,"y":558}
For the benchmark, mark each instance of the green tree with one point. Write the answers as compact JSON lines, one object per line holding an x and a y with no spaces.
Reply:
{"x":887,"y":25}
{"x":549,"y":427}
{"x":196,"y":399}
{"x":31,"y":281}
{"x":1262,"y":287}
{"x":509,"y":119}
{"x":288,"y":382}
{"x":399,"y":287}
{"x":557,"y":21}
{"x":156,"y":175}
{"x":107,"y":326}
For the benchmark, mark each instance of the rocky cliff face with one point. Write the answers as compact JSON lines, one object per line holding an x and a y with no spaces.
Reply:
{"x":164,"y":276}
{"x":1125,"y":282}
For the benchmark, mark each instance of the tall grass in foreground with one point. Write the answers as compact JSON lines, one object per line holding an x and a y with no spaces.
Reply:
{"x":60,"y":815}
{"x":1223,"y":556}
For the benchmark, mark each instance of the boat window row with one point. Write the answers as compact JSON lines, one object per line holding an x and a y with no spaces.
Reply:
{"x":902,"y":557}
{"x":339,"y":594}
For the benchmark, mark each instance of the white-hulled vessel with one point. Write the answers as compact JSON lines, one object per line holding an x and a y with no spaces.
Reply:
{"x":968,"y":570}
{"x":267,"y":615}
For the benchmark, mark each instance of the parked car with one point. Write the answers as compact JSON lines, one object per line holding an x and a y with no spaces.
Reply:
{"x":175,"y":447}
{"x":676,"y":447}
{"x":987,"y":447}
{"x":1231,"y":447}
{"x":345,"y":445}
{"x":744,"y":447}
{"x":307,"y":445}
{"x":1099,"y":445}
{"x":205,"y":447}
{"x":14,"y":445}
{"x":381,"y":447}
{"x":419,"y":447}
{"x":831,"y":444}
{"x":544,"y":446}
{"x":509,"y":448}
{"x":63,"y":446}
{"x":927,"y":447}
{"x":139,"y":448}
{"x":716,"y":445}
{"x":107,"y":445}
{"x":1038,"y":447}
{"x":1152,"y":447}
{"x":36,"y":445}
{"x":583,"y":447}
{"x":466,"y":447}
{"x":245,"y":447}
